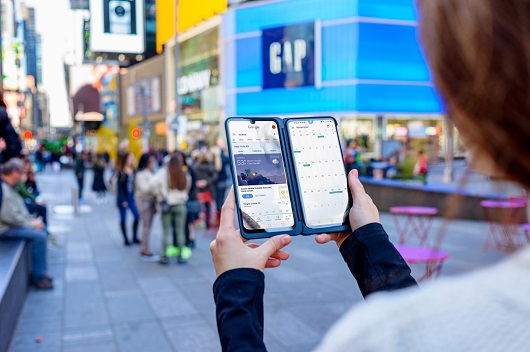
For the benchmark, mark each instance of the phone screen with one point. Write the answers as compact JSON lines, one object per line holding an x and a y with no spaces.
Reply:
{"x":320,"y":172}
{"x":262,"y":188}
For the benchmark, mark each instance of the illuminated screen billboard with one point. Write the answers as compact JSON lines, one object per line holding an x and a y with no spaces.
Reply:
{"x":117,"y":26}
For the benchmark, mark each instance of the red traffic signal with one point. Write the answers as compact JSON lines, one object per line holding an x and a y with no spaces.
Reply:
{"x":28,"y":135}
{"x":135,"y":133}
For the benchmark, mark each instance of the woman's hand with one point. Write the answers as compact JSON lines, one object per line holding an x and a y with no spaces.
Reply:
{"x":229,"y":250}
{"x":362,"y":212}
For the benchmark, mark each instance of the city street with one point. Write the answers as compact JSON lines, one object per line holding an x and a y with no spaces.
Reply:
{"x":106,"y":299}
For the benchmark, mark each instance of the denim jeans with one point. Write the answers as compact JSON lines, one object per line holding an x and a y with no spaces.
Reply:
{"x":131,"y":204}
{"x":174,"y":219}
{"x":37,"y":239}
{"x":147,"y":210}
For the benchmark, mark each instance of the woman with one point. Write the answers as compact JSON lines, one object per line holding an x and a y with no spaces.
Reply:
{"x":479,"y":53}
{"x":98,"y":185}
{"x":193,"y":206}
{"x":421,"y":167}
{"x":172,"y":184}
{"x":13,"y":146}
{"x":206,"y":176}
{"x":146,"y":202}
{"x":125,"y":195}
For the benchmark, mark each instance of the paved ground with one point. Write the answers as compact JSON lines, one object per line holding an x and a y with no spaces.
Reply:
{"x":106,"y":299}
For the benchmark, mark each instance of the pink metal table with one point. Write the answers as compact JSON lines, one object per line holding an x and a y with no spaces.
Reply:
{"x":526,"y":229}
{"x":417,"y":224}
{"x":431,"y":257}
{"x":504,"y":217}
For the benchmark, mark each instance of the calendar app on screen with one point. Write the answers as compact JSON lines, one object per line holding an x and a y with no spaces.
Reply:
{"x":319,"y":171}
{"x":263,"y":193}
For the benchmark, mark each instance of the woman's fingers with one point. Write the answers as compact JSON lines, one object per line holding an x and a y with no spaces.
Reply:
{"x":273,"y":263}
{"x":280,"y":254}
{"x":323,"y":238}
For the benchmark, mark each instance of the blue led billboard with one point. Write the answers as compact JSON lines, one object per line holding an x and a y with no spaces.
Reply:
{"x":365,"y":58}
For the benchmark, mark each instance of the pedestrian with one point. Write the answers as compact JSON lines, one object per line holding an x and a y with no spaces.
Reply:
{"x":39,"y":158}
{"x":13,"y":146}
{"x":478,"y":56}
{"x":205,"y":175}
{"x":172,"y":184}
{"x":80,"y":173}
{"x":98,"y":184}
{"x":421,"y":167}
{"x":125,"y":188}
{"x":17,"y":223}
{"x":35,"y":207}
{"x":146,"y":202}
{"x":193,"y":206}
{"x":223,"y":180}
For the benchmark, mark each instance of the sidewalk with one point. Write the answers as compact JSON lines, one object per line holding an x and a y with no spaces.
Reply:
{"x":106,"y":299}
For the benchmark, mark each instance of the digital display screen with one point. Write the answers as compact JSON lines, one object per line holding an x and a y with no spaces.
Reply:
{"x":320,"y":172}
{"x":262,"y":189}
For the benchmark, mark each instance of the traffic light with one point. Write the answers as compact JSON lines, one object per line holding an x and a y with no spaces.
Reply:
{"x":135,"y":133}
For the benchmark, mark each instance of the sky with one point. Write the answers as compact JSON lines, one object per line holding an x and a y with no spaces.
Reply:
{"x":61,"y":31}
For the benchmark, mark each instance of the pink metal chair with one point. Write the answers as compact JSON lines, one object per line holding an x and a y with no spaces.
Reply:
{"x":431,"y":257}
{"x":417,"y":224}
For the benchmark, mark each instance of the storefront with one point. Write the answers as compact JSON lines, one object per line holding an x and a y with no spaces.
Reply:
{"x":200,"y":97}
{"x":143,"y":106}
{"x":108,"y":132}
{"x":358,"y":61}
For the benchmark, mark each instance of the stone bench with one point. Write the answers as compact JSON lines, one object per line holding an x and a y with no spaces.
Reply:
{"x":390,"y":193}
{"x":14,"y":283}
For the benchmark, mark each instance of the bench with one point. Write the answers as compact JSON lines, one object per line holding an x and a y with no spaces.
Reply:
{"x":14,"y":283}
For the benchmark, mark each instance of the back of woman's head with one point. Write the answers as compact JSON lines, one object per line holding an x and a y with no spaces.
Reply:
{"x":176,"y":174}
{"x":479,"y":53}
{"x":144,"y":161}
{"x":122,"y":160}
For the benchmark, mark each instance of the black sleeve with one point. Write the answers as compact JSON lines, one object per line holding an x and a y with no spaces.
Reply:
{"x":238,"y":296}
{"x":10,"y":136}
{"x":374,"y":261}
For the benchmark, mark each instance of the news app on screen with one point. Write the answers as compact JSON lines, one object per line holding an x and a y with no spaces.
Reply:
{"x":261,"y":179}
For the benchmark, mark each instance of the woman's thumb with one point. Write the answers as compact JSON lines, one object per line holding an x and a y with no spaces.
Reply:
{"x":274,"y":244}
{"x":353,"y":183}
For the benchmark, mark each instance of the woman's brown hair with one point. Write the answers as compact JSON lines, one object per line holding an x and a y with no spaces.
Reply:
{"x":479,"y":53}
{"x":176,"y":175}
{"x":122,"y":160}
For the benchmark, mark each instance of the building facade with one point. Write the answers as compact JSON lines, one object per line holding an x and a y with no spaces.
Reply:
{"x":359,"y":61}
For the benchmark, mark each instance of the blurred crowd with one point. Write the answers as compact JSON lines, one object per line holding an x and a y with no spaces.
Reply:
{"x":187,"y":190}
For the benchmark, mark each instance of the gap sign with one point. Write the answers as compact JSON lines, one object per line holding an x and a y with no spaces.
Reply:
{"x":288,"y":56}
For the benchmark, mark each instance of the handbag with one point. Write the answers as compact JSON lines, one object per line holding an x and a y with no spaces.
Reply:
{"x":194,"y":207}
{"x":164,"y":206}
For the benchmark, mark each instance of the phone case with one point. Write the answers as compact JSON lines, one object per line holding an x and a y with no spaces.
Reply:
{"x":300,"y":227}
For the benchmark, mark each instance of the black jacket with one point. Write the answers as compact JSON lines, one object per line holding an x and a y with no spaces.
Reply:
{"x":371,"y":257}
{"x":10,"y":136}
{"x":121,"y":185}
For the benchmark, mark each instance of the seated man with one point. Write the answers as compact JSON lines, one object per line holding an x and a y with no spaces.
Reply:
{"x":17,"y":223}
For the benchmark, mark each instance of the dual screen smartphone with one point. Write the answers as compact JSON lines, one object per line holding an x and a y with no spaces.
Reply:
{"x":289,"y":176}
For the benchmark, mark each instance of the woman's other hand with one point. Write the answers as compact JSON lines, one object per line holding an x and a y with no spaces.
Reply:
{"x":229,"y":250}
{"x":362,"y":212}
